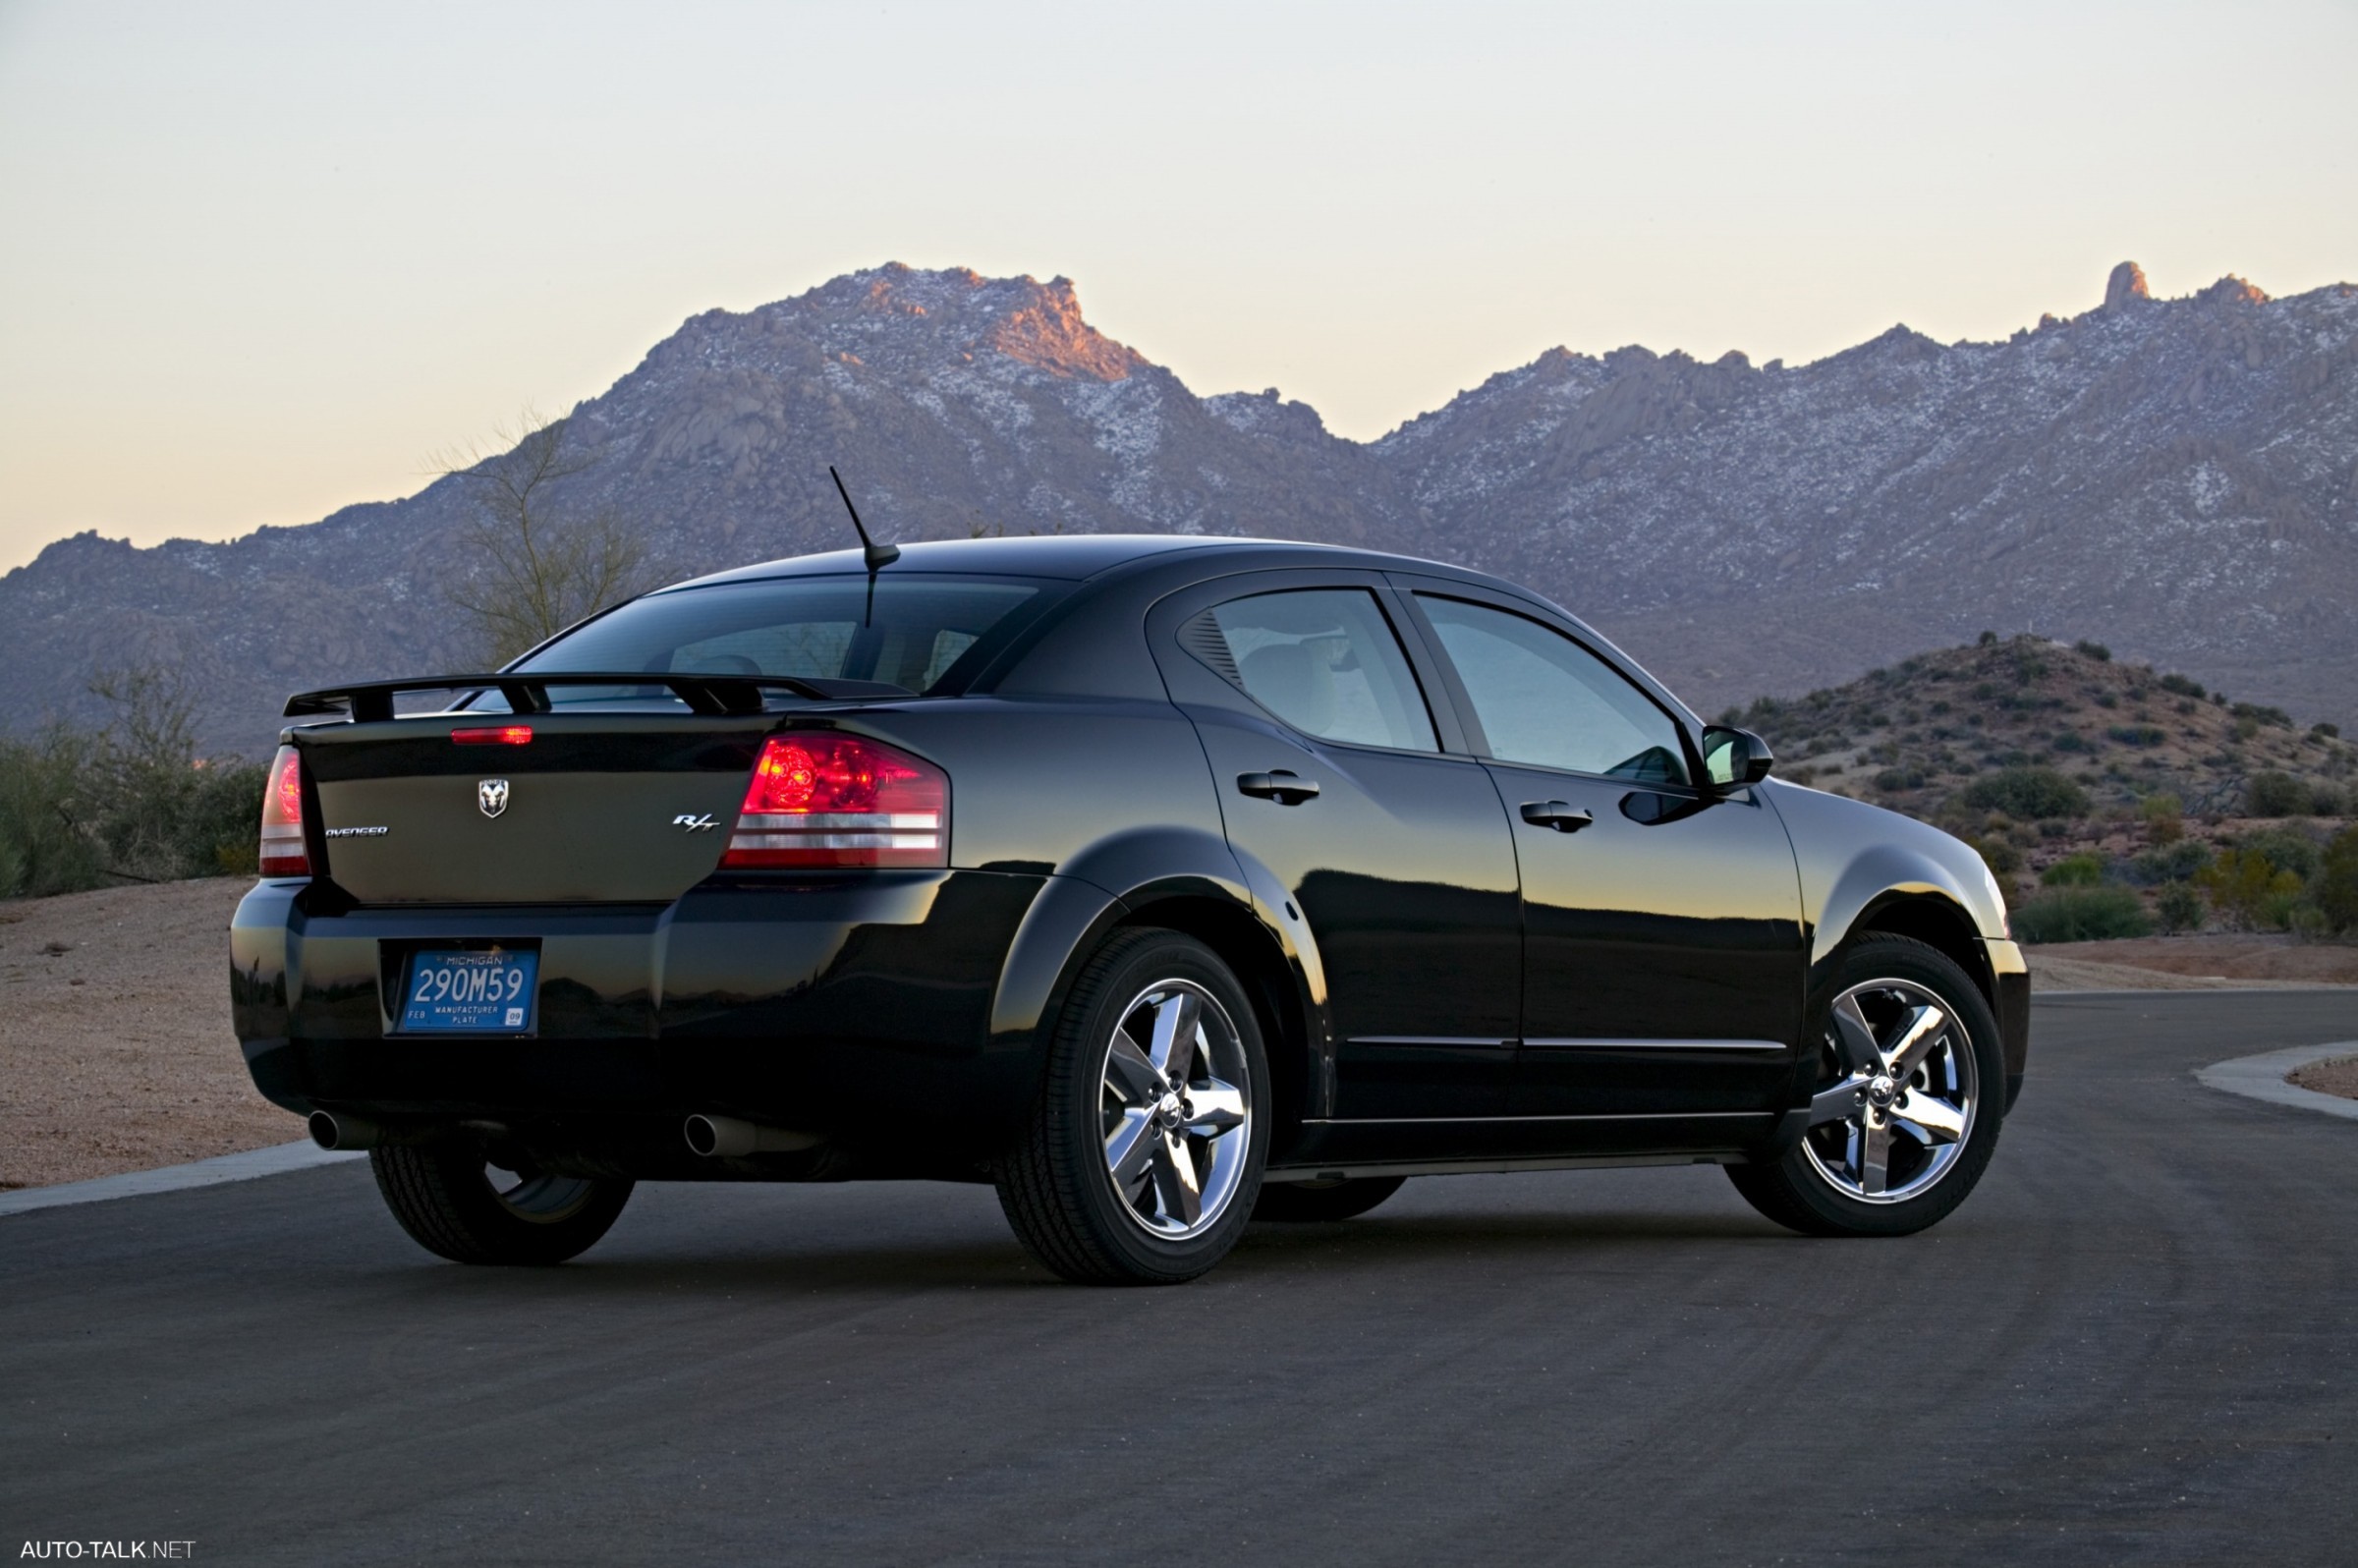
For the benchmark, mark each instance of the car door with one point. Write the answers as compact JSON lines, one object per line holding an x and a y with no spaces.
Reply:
{"x":1663,"y":963}
{"x":1393,"y":852}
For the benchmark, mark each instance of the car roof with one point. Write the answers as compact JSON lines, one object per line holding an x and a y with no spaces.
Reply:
{"x":1070,"y":556}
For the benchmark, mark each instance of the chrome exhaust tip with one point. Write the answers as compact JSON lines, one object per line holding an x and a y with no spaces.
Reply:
{"x":343,"y":1133}
{"x":729,"y":1137}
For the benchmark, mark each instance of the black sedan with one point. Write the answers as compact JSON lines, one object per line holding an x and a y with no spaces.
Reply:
{"x":1166,"y":883}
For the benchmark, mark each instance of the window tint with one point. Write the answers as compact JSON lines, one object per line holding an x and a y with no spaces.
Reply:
{"x":1322,"y":660}
{"x":1546,"y":700}
{"x":909,"y":634}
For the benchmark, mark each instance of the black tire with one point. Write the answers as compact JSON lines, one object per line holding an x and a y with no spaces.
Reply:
{"x":1322,"y":1202}
{"x":1802,"y":1193}
{"x":1055,"y":1184}
{"x":445,"y":1197}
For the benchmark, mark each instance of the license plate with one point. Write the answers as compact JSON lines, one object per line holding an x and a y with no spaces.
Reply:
{"x":472,"y":990}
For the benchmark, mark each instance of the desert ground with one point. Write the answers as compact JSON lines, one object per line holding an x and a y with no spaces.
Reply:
{"x":116,"y":1052}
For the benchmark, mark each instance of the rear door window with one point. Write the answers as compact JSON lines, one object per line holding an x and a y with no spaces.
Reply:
{"x":1325,"y":660}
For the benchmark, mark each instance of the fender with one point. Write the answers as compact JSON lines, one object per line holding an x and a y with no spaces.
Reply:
{"x":1125,"y":879}
{"x":1094,"y":892}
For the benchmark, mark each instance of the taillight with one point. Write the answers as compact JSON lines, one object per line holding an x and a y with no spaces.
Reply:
{"x":283,"y":851}
{"x":820,"y":799}
{"x":501,"y":735}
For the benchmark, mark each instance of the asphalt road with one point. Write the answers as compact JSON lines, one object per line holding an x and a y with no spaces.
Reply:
{"x":2132,"y":1345}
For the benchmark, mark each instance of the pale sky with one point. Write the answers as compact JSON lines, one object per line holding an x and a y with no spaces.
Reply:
{"x":257,"y":261}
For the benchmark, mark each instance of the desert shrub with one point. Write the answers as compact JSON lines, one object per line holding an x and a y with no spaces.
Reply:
{"x":2336,"y":887}
{"x":43,"y":848}
{"x":2288,"y":849}
{"x":2082,"y":915}
{"x":1900,"y":778}
{"x":2324,"y":731}
{"x":2095,"y":650}
{"x":2259,"y":714}
{"x":2071,"y":740}
{"x":2165,"y":819}
{"x":1986,"y":639}
{"x":2326,"y":800}
{"x":2246,"y":888}
{"x":2138,"y":734}
{"x":2083,"y":869}
{"x":2028,"y":793}
{"x":2107,"y":700}
{"x":2002,"y":858}
{"x":2179,"y":908}
{"x":2167,"y":863}
{"x":2182,"y":686}
{"x":133,"y":802}
{"x":2275,"y":795}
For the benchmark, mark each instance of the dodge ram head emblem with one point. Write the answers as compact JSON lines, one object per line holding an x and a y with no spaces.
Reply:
{"x":492,"y":794}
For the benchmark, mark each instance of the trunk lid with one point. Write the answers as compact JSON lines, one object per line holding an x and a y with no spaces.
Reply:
{"x":599,"y":808}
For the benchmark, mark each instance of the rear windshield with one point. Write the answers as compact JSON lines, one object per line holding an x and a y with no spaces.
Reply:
{"x":909,"y":631}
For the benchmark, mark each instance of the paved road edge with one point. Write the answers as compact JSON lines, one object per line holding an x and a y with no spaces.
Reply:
{"x":273,"y":1161}
{"x":2261,"y":1076}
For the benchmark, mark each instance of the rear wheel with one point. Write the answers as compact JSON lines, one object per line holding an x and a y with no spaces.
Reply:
{"x":1904,"y":1115}
{"x":1319,"y":1202}
{"x":456,"y":1202}
{"x":1141,"y":1157}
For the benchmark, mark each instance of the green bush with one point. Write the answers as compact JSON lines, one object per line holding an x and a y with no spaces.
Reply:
{"x":2028,"y":793}
{"x":2336,"y":887}
{"x":2246,"y":889}
{"x":2288,"y":849}
{"x":2275,"y":795}
{"x":2167,"y":863}
{"x":2179,"y":908}
{"x":2083,"y":869}
{"x":81,"y":808}
{"x":2182,"y":686}
{"x":2082,"y":915}
{"x":2138,"y":734}
{"x":2095,"y":650}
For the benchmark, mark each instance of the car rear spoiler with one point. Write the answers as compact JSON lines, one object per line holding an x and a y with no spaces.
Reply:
{"x":526,"y":691}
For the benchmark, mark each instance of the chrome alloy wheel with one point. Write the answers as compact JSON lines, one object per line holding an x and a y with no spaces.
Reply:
{"x":1177,"y":1114}
{"x":1896,"y":1116}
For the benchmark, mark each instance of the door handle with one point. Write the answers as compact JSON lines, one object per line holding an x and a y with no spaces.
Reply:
{"x":1286,"y":789}
{"x":1558,"y":814}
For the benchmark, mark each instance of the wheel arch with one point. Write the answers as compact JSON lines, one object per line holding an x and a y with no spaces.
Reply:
{"x":1185,"y":882}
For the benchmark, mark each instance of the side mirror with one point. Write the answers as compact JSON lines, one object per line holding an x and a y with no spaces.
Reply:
{"x":1733,"y":756}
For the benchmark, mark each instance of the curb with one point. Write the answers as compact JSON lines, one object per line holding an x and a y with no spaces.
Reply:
{"x":246,"y":1167}
{"x":2261,"y":1076}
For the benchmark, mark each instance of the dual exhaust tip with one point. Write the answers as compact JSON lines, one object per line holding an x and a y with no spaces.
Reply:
{"x":711,"y":1137}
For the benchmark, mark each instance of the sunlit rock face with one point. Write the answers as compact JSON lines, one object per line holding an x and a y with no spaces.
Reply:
{"x":2178,"y":478}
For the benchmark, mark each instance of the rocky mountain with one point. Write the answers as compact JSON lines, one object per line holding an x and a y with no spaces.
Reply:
{"x":2178,"y":478}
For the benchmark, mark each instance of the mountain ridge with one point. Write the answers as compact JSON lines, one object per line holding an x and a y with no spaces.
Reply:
{"x":2178,"y":477}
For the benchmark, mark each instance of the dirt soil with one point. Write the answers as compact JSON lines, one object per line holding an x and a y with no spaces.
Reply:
{"x":2337,"y":1077}
{"x":2189,"y":963}
{"x":115,"y":1045}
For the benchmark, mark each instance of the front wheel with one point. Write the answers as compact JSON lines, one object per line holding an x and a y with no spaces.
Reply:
{"x":1905,"y":1109}
{"x":470,"y":1210}
{"x":1142,"y":1158}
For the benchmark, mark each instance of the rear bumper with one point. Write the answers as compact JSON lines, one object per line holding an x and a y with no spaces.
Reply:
{"x":2013,"y":1008}
{"x":855,"y":1005}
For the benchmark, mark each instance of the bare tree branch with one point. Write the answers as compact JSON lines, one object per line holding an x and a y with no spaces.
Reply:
{"x":538,"y":567}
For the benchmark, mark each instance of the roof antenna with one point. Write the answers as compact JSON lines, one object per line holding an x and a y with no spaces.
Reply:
{"x":878,"y":556}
